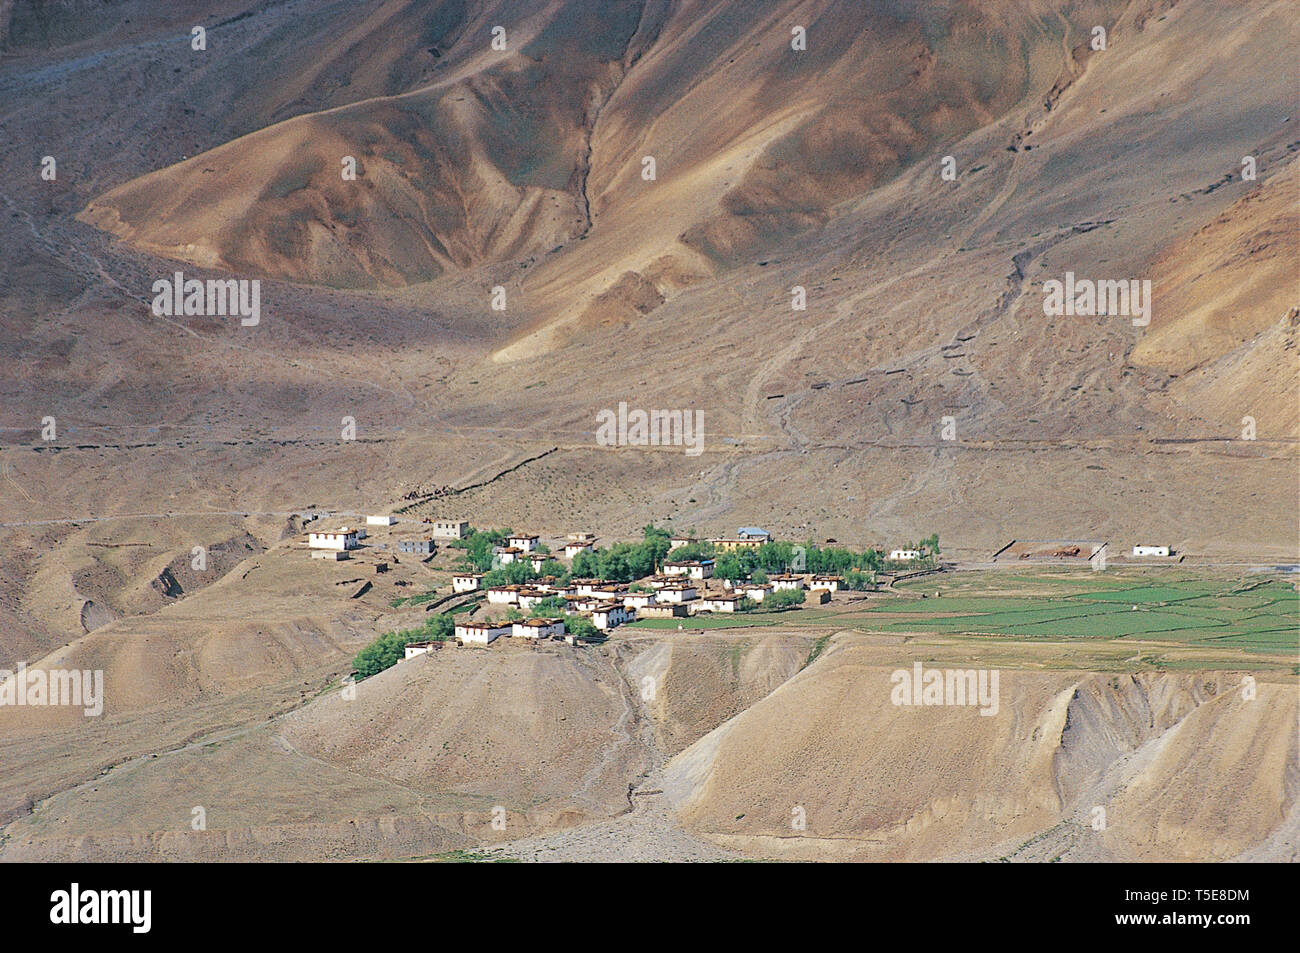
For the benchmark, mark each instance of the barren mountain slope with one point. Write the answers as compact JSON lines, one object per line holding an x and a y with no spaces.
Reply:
{"x":881,"y":781}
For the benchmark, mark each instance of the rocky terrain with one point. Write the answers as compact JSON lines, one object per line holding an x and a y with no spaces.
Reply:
{"x":516,"y":175}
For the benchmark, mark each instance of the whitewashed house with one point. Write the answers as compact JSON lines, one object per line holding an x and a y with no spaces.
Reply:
{"x":503,"y":595}
{"x":506,"y":555}
{"x":833,"y":583}
{"x":381,"y":520}
{"x":904,"y":555}
{"x":466,"y":581}
{"x":677,"y":542}
{"x":754,"y":590}
{"x":573,"y":547}
{"x":418,"y":648}
{"x":481,"y":633}
{"x":1142,"y":550}
{"x":341,"y":539}
{"x":681,"y":592}
{"x":788,"y":581}
{"x":716,"y":603}
{"x":537,"y":628}
{"x":525,"y":542}
{"x":607,"y":615}
{"x":691,"y":568}
{"x":528,"y":598}
{"x":450,"y":529}
{"x":639,"y":600}
{"x":663,"y":611}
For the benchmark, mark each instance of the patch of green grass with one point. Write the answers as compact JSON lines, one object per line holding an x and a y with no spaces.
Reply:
{"x":1251,"y":614}
{"x":706,"y":622}
{"x":818,"y":647}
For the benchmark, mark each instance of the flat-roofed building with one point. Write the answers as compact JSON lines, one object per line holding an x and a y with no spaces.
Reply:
{"x":537,"y":628}
{"x":682,"y":592}
{"x":466,"y":581}
{"x":753,"y":590}
{"x":661,"y":610}
{"x":691,"y":568}
{"x":481,"y":633}
{"x":340,"y":539}
{"x":526,"y":542}
{"x":716,"y":603}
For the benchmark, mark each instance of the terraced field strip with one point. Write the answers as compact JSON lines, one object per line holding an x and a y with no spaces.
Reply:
{"x":1261,"y":615}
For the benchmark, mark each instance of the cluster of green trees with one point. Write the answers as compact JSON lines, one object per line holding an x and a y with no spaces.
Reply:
{"x":780,"y":557}
{"x":390,"y":648}
{"x":929,"y":546}
{"x":520,"y":572}
{"x":624,"y":562}
{"x":581,"y":627}
{"x":783,"y":599}
{"x":479,"y":545}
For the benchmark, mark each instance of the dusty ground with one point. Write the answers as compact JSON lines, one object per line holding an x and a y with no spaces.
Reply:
{"x":523,"y":169}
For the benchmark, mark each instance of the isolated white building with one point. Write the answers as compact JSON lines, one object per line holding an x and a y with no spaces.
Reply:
{"x":451,"y":529}
{"x":343,"y":538}
{"x":833,"y":583}
{"x":573,"y":547}
{"x":1150,"y":550}
{"x":418,"y":648}
{"x":381,"y":520}
{"x":903,"y":555}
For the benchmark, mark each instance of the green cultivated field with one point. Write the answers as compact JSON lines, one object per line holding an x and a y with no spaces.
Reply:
{"x":1253,"y":613}
{"x":717,"y":621}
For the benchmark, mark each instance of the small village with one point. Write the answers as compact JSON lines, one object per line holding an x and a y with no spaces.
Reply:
{"x":522,"y":587}
{"x":487,"y":585}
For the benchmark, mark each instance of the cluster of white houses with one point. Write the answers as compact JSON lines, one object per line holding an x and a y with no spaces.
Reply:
{"x":680,"y":590}
{"x":676,"y":593}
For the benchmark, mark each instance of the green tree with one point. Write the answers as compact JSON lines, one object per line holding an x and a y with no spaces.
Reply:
{"x":784,"y":599}
{"x":585,"y":565}
{"x":729,"y":566}
{"x":579,"y":626}
{"x":549,"y":607}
